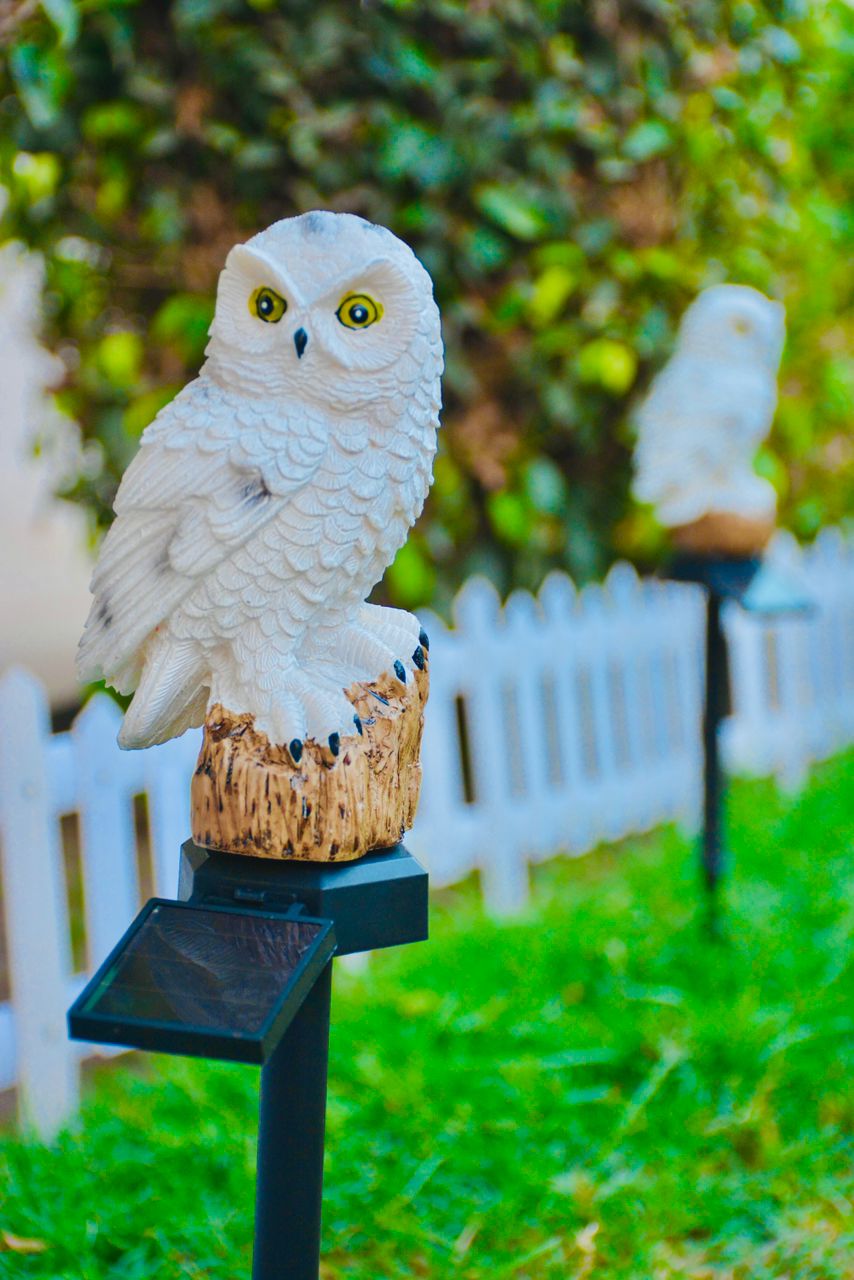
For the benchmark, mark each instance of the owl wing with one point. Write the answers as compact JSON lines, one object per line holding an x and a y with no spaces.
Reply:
{"x":210,"y":472}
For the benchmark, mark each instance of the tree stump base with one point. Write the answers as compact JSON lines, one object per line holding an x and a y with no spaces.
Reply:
{"x":249,"y":796}
{"x":725,"y":533}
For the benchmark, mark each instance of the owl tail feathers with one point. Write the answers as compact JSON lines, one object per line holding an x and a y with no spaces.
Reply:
{"x":172,"y":695}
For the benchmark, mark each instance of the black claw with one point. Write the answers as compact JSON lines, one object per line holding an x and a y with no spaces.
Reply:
{"x":400,"y":670}
{"x":379,"y":697}
{"x":358,"y":723}
{"x":295,"y":748}
{"x":334,"y":743}
{"x":424,"y":640}
{"x":418,"y":658}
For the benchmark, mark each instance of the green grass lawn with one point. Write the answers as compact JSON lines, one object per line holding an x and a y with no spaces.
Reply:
{"x":597,"y":1089}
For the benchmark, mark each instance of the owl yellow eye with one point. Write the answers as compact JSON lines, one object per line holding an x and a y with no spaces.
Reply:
{"x":358,"y":311}
{"x":267,"y":305}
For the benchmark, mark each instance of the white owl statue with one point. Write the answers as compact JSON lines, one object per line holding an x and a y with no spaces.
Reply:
{"x":708,"y":411}
{"x":269,"y":497}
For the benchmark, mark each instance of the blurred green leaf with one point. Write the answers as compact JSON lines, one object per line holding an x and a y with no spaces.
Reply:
{"x":552,"y":290}
{"x":608,"y":364}
{"x":163,"y":220}
{"x":647,"y":139}
{"x":37,"y":174}
{"x":40,"y":79}
{"x":412,"y":150}
{"x":112,"y":196}
{"x":120,"y":358}
{"x":545,"y":487}
{"x":513,"y":211}
{"x":107,"y":121}
{"x":411,"y":576}
{"x":182,"y":323}
{"x":510,"y":518}
{"x":65,"y":18}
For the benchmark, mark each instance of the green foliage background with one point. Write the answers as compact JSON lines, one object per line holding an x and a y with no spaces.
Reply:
{"x":571,"y":173}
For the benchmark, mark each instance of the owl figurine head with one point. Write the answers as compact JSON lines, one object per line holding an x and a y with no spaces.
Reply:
{"x":736,"y":324}
{"x":325,"y":307}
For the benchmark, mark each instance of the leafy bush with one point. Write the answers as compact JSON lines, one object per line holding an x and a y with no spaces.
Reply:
{"x":571,"y":173}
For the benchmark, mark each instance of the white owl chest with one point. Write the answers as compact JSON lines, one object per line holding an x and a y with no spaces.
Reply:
{"x":355,"y":489}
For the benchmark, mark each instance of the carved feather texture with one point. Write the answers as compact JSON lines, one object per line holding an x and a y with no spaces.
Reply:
{"x":710,"y":408}
{"x":270,"y":496}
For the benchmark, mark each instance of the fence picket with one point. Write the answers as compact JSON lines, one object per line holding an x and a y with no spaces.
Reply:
{"x":105,"y":786}
{"x":36,"y":911}
{"x":167,"y":774}
{"x":576,"y":807}
{"x":477,"y":615}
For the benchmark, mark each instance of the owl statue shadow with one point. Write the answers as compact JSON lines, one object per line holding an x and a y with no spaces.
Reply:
{"x":264,"y":504}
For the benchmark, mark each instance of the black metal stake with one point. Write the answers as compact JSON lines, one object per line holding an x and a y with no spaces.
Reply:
{"x":714,"y":711}
{"x":290,"y":1145}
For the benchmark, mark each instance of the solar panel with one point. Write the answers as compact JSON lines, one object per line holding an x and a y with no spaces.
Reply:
{"x":217,"y":982}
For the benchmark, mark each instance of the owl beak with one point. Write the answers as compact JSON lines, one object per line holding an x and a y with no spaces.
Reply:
{"x":300,"y":342}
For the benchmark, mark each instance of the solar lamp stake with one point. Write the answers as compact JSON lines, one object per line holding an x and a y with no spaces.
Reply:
{"x":291,"y":1130}
{"x":714,"y":710}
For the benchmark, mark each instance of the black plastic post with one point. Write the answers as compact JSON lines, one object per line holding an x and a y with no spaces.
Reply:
{"x":714,"y":711}
{"x":290,"y":1145}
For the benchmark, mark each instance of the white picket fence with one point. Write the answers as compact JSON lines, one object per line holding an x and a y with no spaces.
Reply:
{"x":554,"y":723}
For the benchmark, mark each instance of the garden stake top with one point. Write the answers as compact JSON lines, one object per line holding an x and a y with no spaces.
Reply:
{"x":264,"y":504}
{"x":705,"y":416}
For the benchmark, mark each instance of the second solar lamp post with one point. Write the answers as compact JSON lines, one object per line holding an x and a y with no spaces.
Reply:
{"x":700,"y":426}
{"x":756,"y":586}
{"x":264,"y":504}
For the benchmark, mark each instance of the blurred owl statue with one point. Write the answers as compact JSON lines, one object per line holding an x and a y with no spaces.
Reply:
{"x":264,"y":504}
{"x":704,"y":418}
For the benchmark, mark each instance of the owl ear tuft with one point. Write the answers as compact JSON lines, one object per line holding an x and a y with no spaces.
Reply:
{"x":381,"y":278}
{"x":244,"y":258}
{"x":255,"y":267}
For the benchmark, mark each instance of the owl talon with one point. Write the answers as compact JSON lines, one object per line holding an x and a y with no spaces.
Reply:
{"x":295,"y":748}
{"x":400,"y":670}
{"x":334,"y":743}
{"x":418,"y":658}
{"x":424,"y":640}
{"x":358,"y":723}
